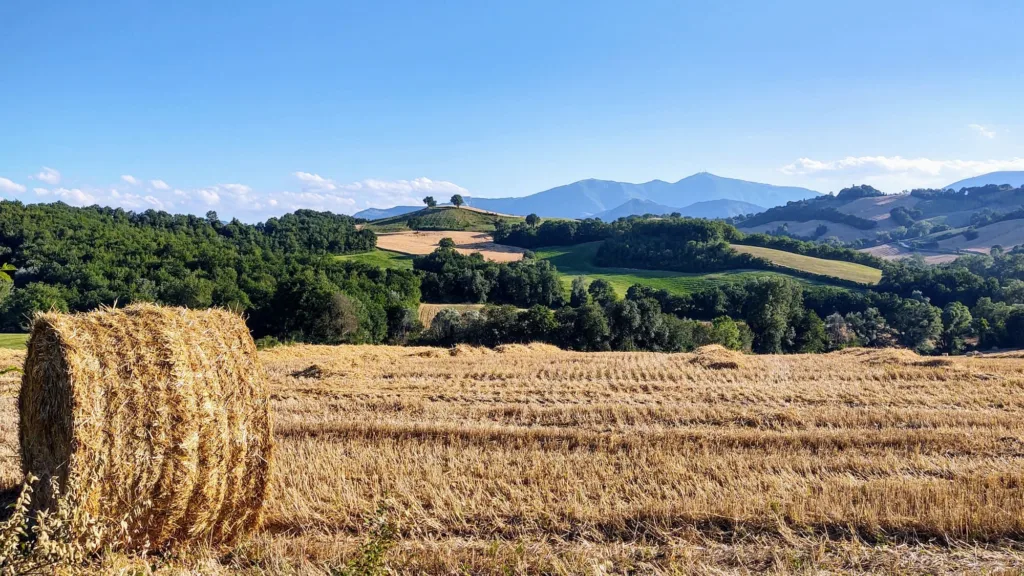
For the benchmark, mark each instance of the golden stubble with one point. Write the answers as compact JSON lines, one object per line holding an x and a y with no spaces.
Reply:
{"x":528,"y":459}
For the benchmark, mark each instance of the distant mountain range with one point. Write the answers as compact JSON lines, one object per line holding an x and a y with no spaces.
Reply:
{"x":706,"y":209}
{"x":378,"y":213}
{"x":588,"y":198}
{"x":1015,"y":179}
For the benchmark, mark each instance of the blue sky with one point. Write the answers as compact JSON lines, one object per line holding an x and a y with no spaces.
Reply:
{"x":256,"y":108}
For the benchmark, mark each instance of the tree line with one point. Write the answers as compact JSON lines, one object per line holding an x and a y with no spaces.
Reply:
{"x":593,"y":319}
{"x":669,"y":242}
{"x":282,"y":274}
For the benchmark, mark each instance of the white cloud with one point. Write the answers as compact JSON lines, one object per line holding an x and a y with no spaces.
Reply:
{"x":209,"y":196}
{"x":983,"y":131}
{"x":315,"y":181}
{"x":235,"y":199}
{"x":49,"y":176}
{"x":73,"y":196}
{"x":237,"y":189}
{"x":898,"y":164}
{"x":892,"y":173}
{"x":327,"y":194}
{"x":10,"y":187}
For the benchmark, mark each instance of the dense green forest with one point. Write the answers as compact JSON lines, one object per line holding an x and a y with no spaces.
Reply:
{"x":277,"y":272}
{"x":282,"y":274}
{"x":448,"y":276}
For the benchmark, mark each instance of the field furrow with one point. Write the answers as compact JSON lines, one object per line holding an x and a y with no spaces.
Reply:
{"x":532,"y":459}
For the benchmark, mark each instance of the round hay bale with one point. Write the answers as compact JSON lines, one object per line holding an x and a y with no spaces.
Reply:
{"x":159,"y":417}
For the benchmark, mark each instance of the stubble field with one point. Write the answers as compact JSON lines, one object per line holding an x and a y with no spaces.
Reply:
{"x":533,"y":460}
{"x":420,"y":242}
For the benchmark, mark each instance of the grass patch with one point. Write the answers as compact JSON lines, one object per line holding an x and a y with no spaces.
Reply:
{"x":578,"y":260}
{"x":441,"y":218}
{"x":13,"y":341}
{"x":380,"y":259}
{"x":835,"y":268}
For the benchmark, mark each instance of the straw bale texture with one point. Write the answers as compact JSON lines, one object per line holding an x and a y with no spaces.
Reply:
{"x":159,"y":417}
{"x":716,"y":357}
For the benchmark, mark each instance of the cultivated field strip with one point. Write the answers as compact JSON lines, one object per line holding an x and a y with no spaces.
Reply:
{"x":536,"y":460}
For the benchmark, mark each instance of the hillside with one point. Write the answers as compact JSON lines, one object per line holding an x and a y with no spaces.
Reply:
{"x":379,"y":213}
{"x":867,"y":218}
{"x":591,"y":197}
{"x":946,"y":245}
{"x":706,"y":209}
{"x":380,"y":258}
{"x":836,"y":268}
{"x":441,"y":218}
{"x":635,"y":207}
{"x":578,"y":260}
{"x":419,"y":242}
{"x":720,"y":209}
{"x":1013,"y":178}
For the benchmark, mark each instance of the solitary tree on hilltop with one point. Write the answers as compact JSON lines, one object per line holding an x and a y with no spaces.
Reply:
{"x":532,"y":220}
{"x":430,"y":202}
{"x":457,"y":200}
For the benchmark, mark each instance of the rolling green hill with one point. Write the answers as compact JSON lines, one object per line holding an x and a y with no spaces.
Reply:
{"x":573,"y":261}
{"x":835,"y":268}
{"x":380,"y":259}
{"x":442,"y":218}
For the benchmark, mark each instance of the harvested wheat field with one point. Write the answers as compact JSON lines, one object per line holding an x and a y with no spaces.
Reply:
{"x":425,"y":242}
{"x":530,"y":460}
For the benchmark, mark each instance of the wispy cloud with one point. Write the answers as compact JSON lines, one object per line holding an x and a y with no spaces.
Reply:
{"x":898,"y":164}
{"x":893,"y":173}
{"x":10,"y":187}
{"x":74,"y":196}
{"x":235,"y":199}
{"x":315,"y":181}
{"x":983,"y":131}
{"x":49,"y":176}
{"x":321,"y":193}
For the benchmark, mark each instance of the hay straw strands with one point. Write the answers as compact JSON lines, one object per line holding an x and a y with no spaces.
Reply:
{"x":159,"y":415}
